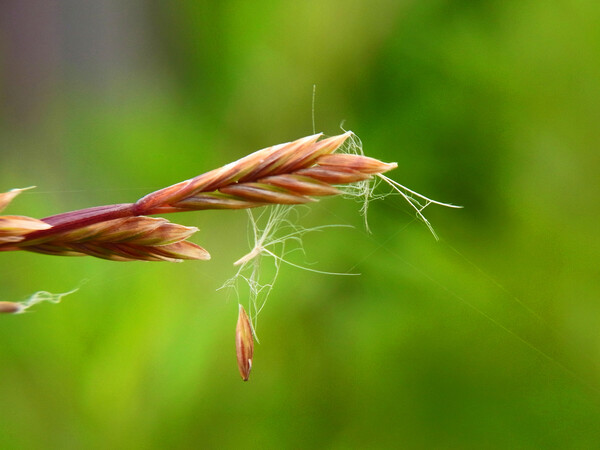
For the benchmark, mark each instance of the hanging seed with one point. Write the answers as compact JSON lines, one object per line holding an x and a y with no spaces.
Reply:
{"x":244,"y":344}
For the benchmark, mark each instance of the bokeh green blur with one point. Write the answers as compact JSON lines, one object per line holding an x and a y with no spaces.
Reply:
{"x":489,"y":338}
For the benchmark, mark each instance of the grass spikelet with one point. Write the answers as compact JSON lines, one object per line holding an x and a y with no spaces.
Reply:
{"x":128,"y":239}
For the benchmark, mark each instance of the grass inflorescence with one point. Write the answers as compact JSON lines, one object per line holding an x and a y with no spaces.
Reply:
{"x":280,"y":176}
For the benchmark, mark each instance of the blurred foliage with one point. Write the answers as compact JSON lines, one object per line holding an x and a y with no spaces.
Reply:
{"x":487,"y":339}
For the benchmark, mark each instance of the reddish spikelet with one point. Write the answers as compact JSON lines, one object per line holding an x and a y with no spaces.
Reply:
{"x":244,"y":344}
{"x":268,"y":161}
{"x":283,"y":174}
{"x":133,"y":238}
{"x":363,"y":164}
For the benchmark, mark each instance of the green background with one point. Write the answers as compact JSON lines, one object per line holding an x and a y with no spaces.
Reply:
{"x":487,"y":339}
